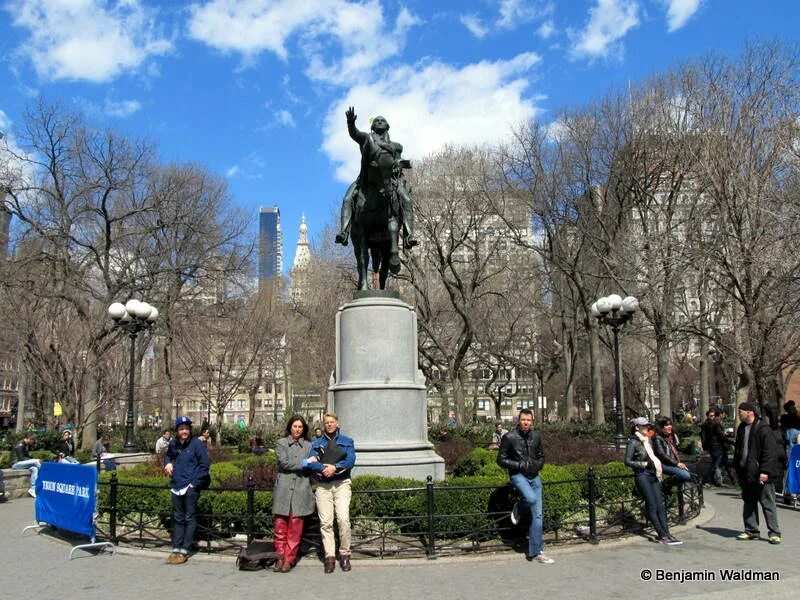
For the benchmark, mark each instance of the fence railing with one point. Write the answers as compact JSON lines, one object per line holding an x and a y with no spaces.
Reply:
{"x":431,"y":520}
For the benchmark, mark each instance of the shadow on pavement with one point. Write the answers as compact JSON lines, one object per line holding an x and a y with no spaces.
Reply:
{"x":720,"y":531}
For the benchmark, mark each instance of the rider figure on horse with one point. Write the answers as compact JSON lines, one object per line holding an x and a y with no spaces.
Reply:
{"x":381,"y":167}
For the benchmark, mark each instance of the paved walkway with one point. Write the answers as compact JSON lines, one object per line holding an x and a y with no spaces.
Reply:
{"x":36,"y":566}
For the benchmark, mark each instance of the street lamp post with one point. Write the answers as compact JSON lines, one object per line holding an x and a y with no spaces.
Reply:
{"x":615,"y":312}
{"x":132,"y":317}
{"x":538,"y":396}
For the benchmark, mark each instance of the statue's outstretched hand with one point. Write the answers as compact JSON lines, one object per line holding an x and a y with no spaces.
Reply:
{"x":351,"y":115}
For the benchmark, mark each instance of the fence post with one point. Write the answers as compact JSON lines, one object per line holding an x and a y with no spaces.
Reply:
{"x":431,"y":550}
{"x":251,"y":503}
{"x":681,"y":508}
{"x":112,"y":525}
{"x":592,"y":505}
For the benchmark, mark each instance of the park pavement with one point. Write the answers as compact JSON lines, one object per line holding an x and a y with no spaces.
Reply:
{"x":37,"y":566}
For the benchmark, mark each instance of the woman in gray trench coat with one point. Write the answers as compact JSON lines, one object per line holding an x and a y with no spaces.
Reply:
{"x":292,"y":498}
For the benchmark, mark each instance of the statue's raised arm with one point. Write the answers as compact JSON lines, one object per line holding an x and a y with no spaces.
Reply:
{"x":358,"y":136}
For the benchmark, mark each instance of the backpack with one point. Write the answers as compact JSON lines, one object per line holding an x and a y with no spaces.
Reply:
{"x":256,"y":556}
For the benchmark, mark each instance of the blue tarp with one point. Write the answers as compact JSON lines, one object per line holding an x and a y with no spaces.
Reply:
{"x":66,"y":497}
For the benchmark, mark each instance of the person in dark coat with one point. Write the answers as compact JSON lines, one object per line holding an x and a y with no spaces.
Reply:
{"x":712,"y":436}
{"x":755,"y":459}
{"x":292,"y":498}
{"x":65,"y":448}
{"x":522,"y":456}
{"x":187,"y":464}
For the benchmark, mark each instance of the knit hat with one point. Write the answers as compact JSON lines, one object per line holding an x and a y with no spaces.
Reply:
{"x":640,"y":421}
{"x":748,"y":406}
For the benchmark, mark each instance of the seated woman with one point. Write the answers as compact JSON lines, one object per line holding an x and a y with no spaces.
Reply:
{"x":65,"y":448}
{"x":640,"y":457}
{"x":666,"y":448}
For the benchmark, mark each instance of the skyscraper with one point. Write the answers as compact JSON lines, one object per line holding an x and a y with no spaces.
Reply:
{"x":270,"y":243}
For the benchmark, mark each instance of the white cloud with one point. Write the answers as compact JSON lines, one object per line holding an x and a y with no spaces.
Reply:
{"x":432,"y":106}
{"x":233,"y":171}
{"x":546,"y":30}
{"x":284,"y":117}
{"x":609,"y":21}
{"x":94,"y":40}
{"x":514,"y":13}
{"x":121,"y":108}
{"x":5,"y":122}
{"x":679,"y":12}
{"x":475,"y":26}
{"x":343,"y":40}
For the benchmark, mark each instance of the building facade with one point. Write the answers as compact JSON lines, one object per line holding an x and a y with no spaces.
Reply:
{"x":270,"y":243}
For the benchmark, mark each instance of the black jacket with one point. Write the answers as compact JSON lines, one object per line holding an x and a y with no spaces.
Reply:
{"x":521,"y":453}
{"x":762,"y":454}
{"x":712,"y":435}
{"x":663,"y":451}
{"x":65,"y":447}
{"x":20,"y":452}
{"x":636,"y":456}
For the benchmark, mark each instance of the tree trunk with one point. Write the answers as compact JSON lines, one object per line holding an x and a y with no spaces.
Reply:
{"x":662,"y":364}
{"x":92,"y":412}
{"x":598,"y":410}
{"x":22,"y":395}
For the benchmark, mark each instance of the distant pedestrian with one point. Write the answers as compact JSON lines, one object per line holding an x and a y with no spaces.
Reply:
{"x":521,"y":454}
{"x":205,"y":437}
{"x":162,"y":443}
{"x":186,"y":462}
{"x":292,"y":498}
{"x":497,"y":436}
{"x":21,"y":459}
{"x":332,"y":458}
{"x":101,"y":451}
{"x":712,"y":437}
{"x":647,"y":471}
{"x":755,"y":459}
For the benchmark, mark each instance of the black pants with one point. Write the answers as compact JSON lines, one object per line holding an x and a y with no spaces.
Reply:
{"x":650,"y":488}
{"x":184,"y":519}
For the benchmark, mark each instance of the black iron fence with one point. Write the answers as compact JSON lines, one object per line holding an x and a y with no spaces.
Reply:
{"x":431,"y":520}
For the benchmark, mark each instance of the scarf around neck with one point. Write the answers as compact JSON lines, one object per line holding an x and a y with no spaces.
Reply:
{"x":648,"y":447}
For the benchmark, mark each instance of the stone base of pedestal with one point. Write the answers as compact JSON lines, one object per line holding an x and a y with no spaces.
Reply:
{"x":410,"y":464}
{"x":378,"y":392}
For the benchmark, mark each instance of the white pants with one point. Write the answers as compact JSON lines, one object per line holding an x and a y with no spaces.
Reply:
{"x":334,"y":496}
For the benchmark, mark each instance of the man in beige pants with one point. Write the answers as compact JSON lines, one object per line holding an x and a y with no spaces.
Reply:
{"x":332,"y":457}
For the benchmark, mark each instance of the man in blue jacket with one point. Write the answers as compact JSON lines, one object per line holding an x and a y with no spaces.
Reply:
{"x":186,"y":462}
{"x":332,"y":457}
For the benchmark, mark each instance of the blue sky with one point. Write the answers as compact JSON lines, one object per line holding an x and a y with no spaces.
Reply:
{"x":256,"y":89}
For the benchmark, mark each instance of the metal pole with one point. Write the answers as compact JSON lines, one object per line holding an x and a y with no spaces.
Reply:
{"x":130,"y":444}
{"x":619,"y":436}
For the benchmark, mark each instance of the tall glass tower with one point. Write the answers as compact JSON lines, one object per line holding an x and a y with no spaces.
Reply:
{"x":270,"y":243}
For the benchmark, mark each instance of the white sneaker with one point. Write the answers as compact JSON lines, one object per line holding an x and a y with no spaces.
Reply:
{"x":515,"y":513}
{"x":32,"y":492}
{"x":545,"y":560}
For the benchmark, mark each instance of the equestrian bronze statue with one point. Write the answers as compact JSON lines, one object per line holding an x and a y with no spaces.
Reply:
{"x":377,"y":204}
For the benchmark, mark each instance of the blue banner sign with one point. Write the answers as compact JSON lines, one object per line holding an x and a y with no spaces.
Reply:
{"x":66,"y":496}
{"x":793,"y":473}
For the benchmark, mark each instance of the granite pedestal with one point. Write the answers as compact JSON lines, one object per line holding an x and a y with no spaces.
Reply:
{"x":378,"y":392}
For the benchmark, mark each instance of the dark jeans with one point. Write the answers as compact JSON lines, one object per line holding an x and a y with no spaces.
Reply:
{"x":719,"y":459}
{"x":650,"y":488}
{"x":184,"y":519}
{"x":754,"y":494}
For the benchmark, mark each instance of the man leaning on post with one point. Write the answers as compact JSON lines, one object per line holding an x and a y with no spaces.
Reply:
{"x":522,"y":455}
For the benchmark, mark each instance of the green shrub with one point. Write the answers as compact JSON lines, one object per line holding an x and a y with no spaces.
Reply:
{"x":561,"y":500}
{"x":412,"y":503}
{"x":5,"y":459}
{"x":472,"y":463}
{"x":224,"y":472}
{"x":612,"y":490}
